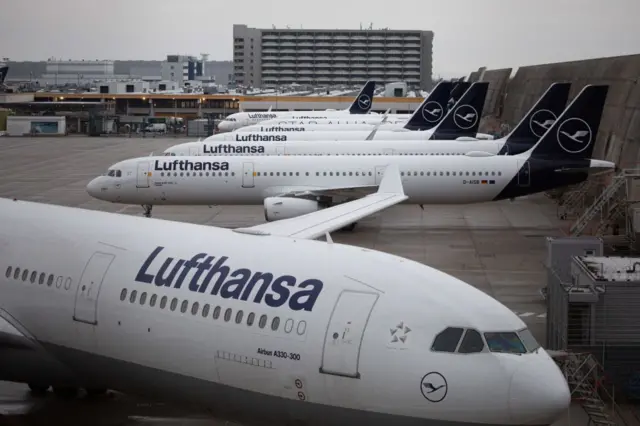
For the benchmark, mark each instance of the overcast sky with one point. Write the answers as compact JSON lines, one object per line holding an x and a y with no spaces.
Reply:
{"x":468,"y":33}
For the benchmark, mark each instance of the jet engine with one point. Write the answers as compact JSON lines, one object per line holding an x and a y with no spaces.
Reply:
{"x":276,"y":208}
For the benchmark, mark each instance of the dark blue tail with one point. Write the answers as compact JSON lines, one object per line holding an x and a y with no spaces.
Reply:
{"x":3,"y":73}
{"x":364,"y":101}
{"x":573,"y":134}
{"x":458,"y":90}
{"x":432,"y":109}
{"x":538,"y":120}
{"x":463,"y":119}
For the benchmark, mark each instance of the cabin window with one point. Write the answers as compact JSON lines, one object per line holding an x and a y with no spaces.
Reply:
{"x":50,"y":280}
{"x":123,"y":294}
{"x":239,"y":317}
{"x":25,"y":274}
{"x":42,"y":277}
{"x":184,"y":306}
{"x":302,"y":327}
{"x":250,"y":318}
{"x":227,"y":315}
{"x":505,"y":343}
{"x":447,"y":340}
{"x":163,"y":302}
{"x":471,"y":343}
{"x":59,"y":281}
{"x":205,"y":310}
{"x":275,"y":323}
{"x":194,"y":308}
{"x":174,"y":304}
{"x":132,"y":297}
{"x":152,"y":301}
{"x":216,"y":312}
{"x":263,"y":321}
{"x":288,"y":326}
{"x":67,"y":283}
{"x":34,"y":274}
{"x":143,"y":298}
{"x":8,"y":273}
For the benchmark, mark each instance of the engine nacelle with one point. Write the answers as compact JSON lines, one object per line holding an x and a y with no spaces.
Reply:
{"x":276,"y":208}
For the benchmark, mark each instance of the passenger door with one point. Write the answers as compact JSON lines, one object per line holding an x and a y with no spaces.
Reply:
{"x":247,"y":175}
{"x":142,"y":180}
{"x":86,"y":304}
{"x":343,"y":338}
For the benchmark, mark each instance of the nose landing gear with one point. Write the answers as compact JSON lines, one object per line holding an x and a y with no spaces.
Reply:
{"x":147,"y":210}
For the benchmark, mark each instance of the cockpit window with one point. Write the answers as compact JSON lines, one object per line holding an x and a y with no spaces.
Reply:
{"x":530,"y":342}
{"x":505,"y":342}
{"x":447,"y":340}
{"x":471,"y":343}
{"x":169,"y":154}
{"x":230,"y":119}
{"x":111,"y":173}
{"x":118,"y":173}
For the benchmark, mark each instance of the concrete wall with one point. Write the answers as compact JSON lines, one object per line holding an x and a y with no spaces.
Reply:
{"x":619,"y":134}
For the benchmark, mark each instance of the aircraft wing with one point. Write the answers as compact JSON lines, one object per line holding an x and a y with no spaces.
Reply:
{"x":316,"y":224}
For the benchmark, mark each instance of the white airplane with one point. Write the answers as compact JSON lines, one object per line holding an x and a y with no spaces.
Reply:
{"x":430,"y":121}
{"x":361,"y":105}
{"x":532,"y":126}
{"x":260,"y":325}
{"x":290,"y":186}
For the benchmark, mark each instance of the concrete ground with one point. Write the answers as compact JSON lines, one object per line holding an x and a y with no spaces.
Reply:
{"x":497,"y":247}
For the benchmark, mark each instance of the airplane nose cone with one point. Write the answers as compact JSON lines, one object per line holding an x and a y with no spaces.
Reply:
{"x":539,"y":393}
{"x":93,"y":188}
{"x":224,"y":127}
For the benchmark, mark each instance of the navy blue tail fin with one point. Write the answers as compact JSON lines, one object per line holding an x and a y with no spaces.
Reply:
{"x":364,"y":101}
{"x":458,"y":90}
{"x":3,"y":73}
{"x":573,"y":135}
{"x":432,"y":109}
{"x":538,"y":120}
{"x":463,"y":119}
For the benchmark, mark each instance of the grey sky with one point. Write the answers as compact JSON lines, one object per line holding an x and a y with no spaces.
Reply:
{"x":468,"y":33}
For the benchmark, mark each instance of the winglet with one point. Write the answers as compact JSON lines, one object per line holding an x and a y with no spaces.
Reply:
{"x":391,"y":182}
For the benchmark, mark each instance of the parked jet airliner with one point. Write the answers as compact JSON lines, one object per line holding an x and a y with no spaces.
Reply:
{"x":532,"y":126}
{"x":431,"y":117}
{"x":361,"y":105}
{"x":259,"y":325}
{"x":289,"y":186}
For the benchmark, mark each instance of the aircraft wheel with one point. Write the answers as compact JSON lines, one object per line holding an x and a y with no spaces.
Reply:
{"x":96,"y":391}
{"x":350,"y":227}
{"x":37,"y":389}
{"x":65,"y":392}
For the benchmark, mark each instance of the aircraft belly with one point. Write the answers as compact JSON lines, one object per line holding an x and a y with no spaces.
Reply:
{"x":228,"y":402}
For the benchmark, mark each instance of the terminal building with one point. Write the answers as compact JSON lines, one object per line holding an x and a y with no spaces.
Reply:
{"x":279,"y":57}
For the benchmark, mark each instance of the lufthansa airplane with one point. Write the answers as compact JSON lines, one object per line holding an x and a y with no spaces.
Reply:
{"x":361,"y":105}
{"x":532,"y":126}
{"x":260,"y":325}
{"x":432,"y":120}
{"x":289,"y":186}
{"x":428,"y":114}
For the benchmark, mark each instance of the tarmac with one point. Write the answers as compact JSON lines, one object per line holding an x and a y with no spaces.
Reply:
{"x":498,"y":247}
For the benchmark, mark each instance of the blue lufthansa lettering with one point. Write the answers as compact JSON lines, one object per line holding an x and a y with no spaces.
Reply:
{"x":239,"y":284}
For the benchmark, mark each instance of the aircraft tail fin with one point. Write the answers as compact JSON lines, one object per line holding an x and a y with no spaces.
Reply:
{"x":460,"y":88}
{"x":573,"y":134}
{"x":4,"y":70}
{"x":432,"y":109}
{"x":538,"y":120}
{"x":364,"y":101}
{"x":463,"y":119}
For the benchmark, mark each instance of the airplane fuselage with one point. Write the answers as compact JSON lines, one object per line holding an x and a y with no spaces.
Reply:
{"x":201,"y":315}
{"x":249,"y":180}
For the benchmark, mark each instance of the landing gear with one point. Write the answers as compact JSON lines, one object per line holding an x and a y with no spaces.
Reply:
{"x":350,"y":227}
{"x":65,"y":392}
{"x":38,"y":389}
{"x":147,"y":210}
